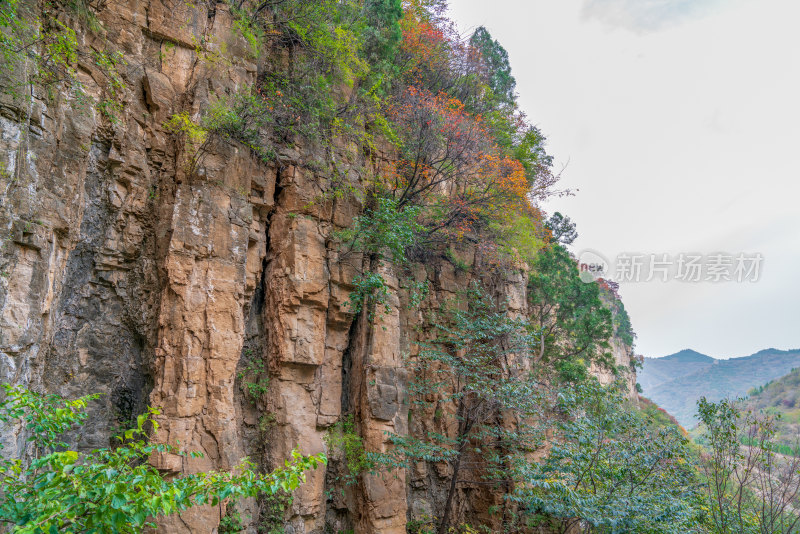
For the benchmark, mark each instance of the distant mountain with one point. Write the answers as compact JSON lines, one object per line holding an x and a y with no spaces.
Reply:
{"x":658,"y":371}
{"x":677,"y":381}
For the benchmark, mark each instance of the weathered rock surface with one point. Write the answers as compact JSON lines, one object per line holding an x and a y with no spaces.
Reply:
{"x":121,"y":273}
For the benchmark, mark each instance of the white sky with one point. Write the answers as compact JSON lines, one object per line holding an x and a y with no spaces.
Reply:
{"x":680,"y":120}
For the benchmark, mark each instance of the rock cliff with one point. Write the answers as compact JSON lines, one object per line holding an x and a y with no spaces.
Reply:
{"x":127,"y":275}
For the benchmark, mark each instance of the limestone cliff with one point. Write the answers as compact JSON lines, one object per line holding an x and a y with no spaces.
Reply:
{"x":126,"y":275}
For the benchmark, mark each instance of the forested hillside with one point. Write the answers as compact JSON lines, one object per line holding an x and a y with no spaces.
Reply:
{"x":780,"y":398}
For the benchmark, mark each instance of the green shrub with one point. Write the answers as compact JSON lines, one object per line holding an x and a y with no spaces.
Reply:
{"x":345,"y":441}
{"x":273,"y":509}
{"x":113,"y":489}
{"x":231,"y":522}
{"x":254,"y":382}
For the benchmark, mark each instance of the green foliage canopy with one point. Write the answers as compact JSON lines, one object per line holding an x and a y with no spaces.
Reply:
{"x":610,"y":470}
{"x":575,"y":324}
{"x":501,"y":82}
{"x":562,"y":228}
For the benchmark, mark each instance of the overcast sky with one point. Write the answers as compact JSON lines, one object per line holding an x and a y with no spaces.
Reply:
{"x":680,"y":124}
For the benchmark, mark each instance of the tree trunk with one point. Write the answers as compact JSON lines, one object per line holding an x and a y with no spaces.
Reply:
{"x":448,"y":505}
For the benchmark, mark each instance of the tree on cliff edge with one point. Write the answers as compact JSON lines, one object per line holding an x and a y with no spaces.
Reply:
{"x":574,"y":323}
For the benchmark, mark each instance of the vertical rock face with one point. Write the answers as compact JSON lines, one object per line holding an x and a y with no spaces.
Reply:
{"x":121,"y":273}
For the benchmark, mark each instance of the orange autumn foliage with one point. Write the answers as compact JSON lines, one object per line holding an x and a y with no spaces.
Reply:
{"x":450,"y":162}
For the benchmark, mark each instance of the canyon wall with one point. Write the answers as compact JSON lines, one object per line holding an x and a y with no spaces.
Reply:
{"x":126,"y":275}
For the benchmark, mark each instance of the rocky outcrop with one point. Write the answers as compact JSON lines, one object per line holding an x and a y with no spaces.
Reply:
{"x":124,"y":274}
